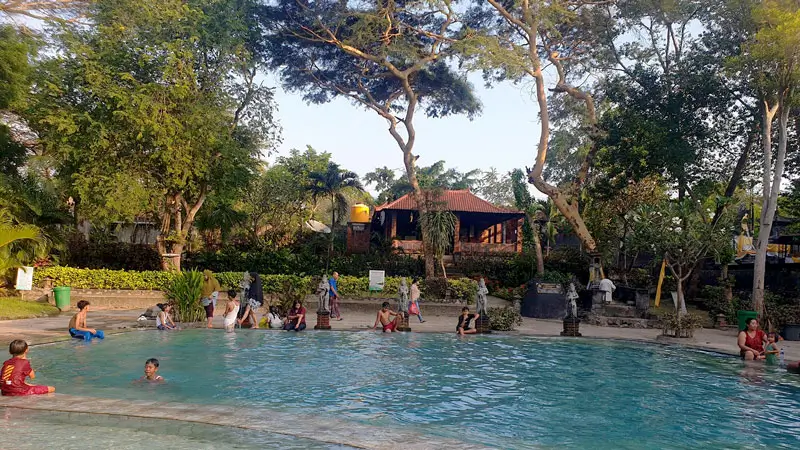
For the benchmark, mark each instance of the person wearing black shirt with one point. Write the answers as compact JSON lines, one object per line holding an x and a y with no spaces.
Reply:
{"x":464,"y":322}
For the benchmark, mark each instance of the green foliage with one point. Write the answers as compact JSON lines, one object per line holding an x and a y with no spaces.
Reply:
{"x":434,"y":288}
{"x":438,"y":228}
{"x":103,"y":278}
{"x":504,"y":319}
{"x":780,"y":310}
{"x":514,"y":293}
{"x":553,"y":276}
{"x":462,"y":289}
{"x":713,"y":298}
{"x":15,"y":49}
{"x":434,"y":177}
{"x":110,"y":255}
{"x":184,"y":292}
{"x":283,"y":286}
{"x":679,"y":324}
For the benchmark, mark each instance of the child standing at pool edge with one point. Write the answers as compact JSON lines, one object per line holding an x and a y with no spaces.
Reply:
{"x":77,"y":325}
{"x":16,"y":370}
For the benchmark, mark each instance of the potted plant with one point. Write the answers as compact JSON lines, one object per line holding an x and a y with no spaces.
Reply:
{"x":680,"y":325}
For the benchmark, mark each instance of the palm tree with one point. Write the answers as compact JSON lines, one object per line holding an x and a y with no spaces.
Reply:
{"x":332,"y":184}
{"x":438,"y":227}
{"x":19,"y":243}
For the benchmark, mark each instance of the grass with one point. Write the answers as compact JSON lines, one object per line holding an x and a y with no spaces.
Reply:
{"x":14,"y":308}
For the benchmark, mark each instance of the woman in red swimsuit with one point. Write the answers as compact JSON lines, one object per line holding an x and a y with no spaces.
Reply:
{"x":751,"y":341}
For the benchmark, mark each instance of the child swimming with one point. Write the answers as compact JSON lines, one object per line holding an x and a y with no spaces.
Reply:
{"x":151,"y":372}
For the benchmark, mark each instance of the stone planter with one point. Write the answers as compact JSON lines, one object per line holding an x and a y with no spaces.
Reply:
{"x":683,"y":333}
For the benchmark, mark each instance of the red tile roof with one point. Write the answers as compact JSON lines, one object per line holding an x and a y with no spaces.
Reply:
{"x":457,"y":201}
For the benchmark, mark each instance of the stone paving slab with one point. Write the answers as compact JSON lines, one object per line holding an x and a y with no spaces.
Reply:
{"x":335,"y":431}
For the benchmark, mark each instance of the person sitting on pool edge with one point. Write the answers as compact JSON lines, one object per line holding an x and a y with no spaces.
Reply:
{"x":16,"y":369}
{"x":751,"y":341}
{"x":296,"y":320}
{"x":77,"y":325}
{"x":163,"y":320}
{"x":384,"y":317}
{"x":464,"y":321}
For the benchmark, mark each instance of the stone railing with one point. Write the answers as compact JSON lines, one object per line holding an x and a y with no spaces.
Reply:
{"x":482,"y":247}
{"x":408,"y":246}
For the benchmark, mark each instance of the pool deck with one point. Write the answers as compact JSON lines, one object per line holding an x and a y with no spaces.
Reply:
{"x":52,"y":329}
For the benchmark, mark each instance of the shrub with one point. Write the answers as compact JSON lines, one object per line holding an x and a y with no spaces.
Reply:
{"x":713,"y":298}
{"x":103,"y":278}
{"x":552,"y":276}
{"x":434,"y":288}
{"x":110,"y":255}
{"x":780,"y":310}
{"x":680,"y":325}
{"x":569,"y":260}
{"x":509,"y":293}
{"x":463,"y":289}
{"x":504,"y":319}
{"x":184,"y":292}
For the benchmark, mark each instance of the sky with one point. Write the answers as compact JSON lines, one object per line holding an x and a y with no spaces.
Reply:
{"x":503,"y":136}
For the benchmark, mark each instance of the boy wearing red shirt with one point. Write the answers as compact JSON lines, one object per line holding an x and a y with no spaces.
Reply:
{"x":16,"y":369}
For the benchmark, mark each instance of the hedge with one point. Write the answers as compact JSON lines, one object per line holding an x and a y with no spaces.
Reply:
{"x":349,"y":286}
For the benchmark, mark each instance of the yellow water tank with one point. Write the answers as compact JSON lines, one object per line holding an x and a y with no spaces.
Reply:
{"x":359,"y":213}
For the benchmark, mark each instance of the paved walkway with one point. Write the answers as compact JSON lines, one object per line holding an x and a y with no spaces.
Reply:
{"x":51,"y":329}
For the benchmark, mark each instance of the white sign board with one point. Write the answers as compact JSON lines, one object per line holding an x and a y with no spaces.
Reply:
{"x":376,"y":280}
{"x":24,"y":279}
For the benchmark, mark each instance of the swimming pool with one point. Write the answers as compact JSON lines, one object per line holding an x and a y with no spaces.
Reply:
{"x":499,"y":391}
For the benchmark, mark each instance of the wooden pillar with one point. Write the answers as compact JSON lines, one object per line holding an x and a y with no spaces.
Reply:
{"x":393,"y":226}
{"x":503,"y":233}
{"x":519,"y":236}
{"x":456,"y":235}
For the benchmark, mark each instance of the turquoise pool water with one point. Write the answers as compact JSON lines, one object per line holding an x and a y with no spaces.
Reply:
{"x":503,"y":392}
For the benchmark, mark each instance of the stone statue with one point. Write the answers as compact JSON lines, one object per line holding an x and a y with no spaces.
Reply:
{"x":480,"y":298}
{"x":402,"y":300}
{"x":245,"y":288}
{"x":572,"y":306}
{"x":746,"y":225}
{"x":324,"y":295}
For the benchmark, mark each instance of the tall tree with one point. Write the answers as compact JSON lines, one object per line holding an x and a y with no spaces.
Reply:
{"x":332,"y":184}
{"x":771,"y":59}
{"x":44,"y":9}
{"x":390,"y":57}
{"x":521,"y":35}
{"x":152,"y":109}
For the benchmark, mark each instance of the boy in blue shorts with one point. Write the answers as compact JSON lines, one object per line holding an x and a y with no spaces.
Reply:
{"x":77,"y":325}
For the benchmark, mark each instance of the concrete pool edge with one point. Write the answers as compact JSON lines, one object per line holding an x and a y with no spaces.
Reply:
{"x":332,"y":431}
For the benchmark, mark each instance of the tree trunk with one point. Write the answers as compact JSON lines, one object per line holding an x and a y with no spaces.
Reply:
{"x":333,"y":225}
{"x":537,"y":242}
{"x":727,"y":286}
{"x":444,"y":271}
{"x":772,"y":187}
{"x":681,"y":300}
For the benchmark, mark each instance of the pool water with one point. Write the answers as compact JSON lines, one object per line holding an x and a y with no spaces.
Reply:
{"x":499,"y":391}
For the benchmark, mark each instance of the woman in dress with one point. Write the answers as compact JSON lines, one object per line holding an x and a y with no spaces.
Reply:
{"x":751,"y":341}
{"x":254,"y":300}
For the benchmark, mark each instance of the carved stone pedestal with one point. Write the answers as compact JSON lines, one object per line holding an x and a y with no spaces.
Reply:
{"x":572,"y":327}
{"x":323,"y":321}
{"x":483,"y":325}
{"x":402,"y":324}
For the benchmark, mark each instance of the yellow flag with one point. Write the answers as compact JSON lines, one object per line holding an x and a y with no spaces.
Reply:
{"x":660,"y":281}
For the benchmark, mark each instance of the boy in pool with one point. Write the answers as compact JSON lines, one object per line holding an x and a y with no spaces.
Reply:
{"x":464,"y":321}
{"x":385,"y":318}
{"x":16,"y":369}
{"x":772,"y":350}
{"x":77,"y":325}
{"x":151,"y":372}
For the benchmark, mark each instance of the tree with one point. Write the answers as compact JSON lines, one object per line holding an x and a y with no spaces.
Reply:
{"x":433,"y":177}
{"x":390,"y":57}
{"x":771,"y":59}
{"x":438,"y":227}
{"x":20,"y":244}
{"x":333,"y":184}
{"x":534,"y":216}
{"x":152,"y":109}
{"x":518,"y":37}
{"x":496,"y":188}
{"x":682,"y":233}
{"x":44,"y":9}
{"x":278,"y":201}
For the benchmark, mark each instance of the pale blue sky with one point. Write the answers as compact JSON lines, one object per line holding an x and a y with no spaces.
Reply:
{"x":504,"y":136}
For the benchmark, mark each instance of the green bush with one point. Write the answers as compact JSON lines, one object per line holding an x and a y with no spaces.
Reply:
{"x":780,"y":310}
{"x":713,"y":298}
{"x":279,"y":285}
{"x":509,"y":293}
{"x":504,"y":319}
{"x":553,"y":276}
{"x":463,"y":289}
{"x":680,"y":325}
{"x":184,"y":292}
